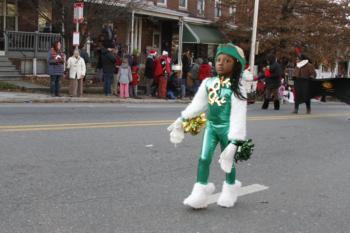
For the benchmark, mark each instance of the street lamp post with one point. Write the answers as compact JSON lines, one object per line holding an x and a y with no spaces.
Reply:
{"x":253,"y":44}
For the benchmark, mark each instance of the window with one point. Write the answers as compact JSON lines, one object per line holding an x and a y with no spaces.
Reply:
{"x":232,"y":13}
{"x":183,"y":4}
{"x":11,"y":15}
{"x":201,"y":7}
{"x":45,"y":15}
{"x":162,"y":2}
{"x":217,"y":8}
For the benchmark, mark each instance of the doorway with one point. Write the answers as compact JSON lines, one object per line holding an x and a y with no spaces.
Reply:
{"x":8,"y":20}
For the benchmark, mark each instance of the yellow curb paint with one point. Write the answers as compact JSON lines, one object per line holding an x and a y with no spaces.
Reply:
{"x":120,"y":124}
{"x":80,"y":127}
{"x":80,"y":124}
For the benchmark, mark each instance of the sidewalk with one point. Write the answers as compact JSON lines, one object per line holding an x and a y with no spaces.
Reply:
{"x":21,"y":97}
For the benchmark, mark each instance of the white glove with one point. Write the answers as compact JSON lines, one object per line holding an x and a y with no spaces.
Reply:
{"x":176,"y":131}
{"x":226,"y":158}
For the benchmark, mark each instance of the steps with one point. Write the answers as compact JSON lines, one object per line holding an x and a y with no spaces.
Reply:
{"x":8,"y":71}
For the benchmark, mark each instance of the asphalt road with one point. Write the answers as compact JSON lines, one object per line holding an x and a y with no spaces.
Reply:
{"x":94,"y":168}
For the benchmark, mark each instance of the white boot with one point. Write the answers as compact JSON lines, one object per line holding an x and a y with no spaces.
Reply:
{"x":199,"y":195}
{"x":229,"y":194}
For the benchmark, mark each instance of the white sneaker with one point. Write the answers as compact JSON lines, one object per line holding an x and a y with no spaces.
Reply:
{"x":229,"y":194}
{"x":200,"y":195}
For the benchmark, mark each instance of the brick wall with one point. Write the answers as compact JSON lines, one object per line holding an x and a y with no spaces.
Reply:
{"x":192,"y":7}
{"x":209,"y":9}
{"x":173,"y":4}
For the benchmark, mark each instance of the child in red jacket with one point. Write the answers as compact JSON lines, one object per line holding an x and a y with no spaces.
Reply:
{"x":135,"y":79}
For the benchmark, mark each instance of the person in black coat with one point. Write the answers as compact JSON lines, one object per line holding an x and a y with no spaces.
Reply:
{"x":108,"y":65}
{"x":149,"y":71}
{"x":272,"y":82}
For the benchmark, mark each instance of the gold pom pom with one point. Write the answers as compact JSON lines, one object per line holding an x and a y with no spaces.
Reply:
{"x":194,"y":125}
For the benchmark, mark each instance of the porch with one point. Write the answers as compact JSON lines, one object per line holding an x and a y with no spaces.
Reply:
{"x":27,"y":50}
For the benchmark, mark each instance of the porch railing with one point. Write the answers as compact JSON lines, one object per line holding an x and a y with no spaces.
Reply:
{"x":29,"y":41}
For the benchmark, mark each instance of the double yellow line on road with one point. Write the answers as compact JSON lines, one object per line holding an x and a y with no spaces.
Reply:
{"x":120,"y":124}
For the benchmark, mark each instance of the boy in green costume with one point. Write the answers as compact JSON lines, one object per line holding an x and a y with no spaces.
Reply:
{"x":223,"y":99}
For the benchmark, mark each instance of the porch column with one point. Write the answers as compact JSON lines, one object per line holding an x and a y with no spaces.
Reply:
{"x":136,"y":34}
{"x":336,"y":71}
{"x":36,"y":44}
{"x":132,"y":32}
{"x":88,"y":45}
{"x":140,"y":35}
{"x":181,"y":30}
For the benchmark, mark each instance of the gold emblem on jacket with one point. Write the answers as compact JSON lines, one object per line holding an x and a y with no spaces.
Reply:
{"x":214,"y":91}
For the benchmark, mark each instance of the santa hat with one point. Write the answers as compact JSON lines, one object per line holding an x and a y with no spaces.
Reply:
{"x":297,"y":50}
{"x":165,"y":53}
{"x":233,"y":51}
{"x":152,"y":52}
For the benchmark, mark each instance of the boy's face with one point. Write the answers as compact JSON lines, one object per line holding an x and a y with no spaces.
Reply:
{"x":224,"y":64}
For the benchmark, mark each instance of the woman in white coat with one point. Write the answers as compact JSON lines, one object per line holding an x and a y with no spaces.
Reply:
{"x":77,"y":71}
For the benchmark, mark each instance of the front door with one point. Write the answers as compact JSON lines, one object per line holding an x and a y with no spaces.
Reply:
{"x":8,"y":20}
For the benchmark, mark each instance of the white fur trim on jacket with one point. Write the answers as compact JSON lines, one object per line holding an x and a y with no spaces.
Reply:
{"x":199,"y":103}
{"x":238,"y":117}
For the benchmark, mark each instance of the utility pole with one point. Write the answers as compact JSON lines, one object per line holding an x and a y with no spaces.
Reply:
{"x":254,"y":32}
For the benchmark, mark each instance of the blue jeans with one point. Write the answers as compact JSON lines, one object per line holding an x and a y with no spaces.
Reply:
{"x":183,"y":87}
{"x":107,"y":85}
{"x":196,"y":85}
{"x":55,"y":84}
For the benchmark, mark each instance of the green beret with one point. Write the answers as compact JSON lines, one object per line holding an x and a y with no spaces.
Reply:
{"x":233,"y":51}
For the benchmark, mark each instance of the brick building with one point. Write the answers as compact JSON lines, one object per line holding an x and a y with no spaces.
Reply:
{"x":159,"y":24}
{"x":30,"y":26}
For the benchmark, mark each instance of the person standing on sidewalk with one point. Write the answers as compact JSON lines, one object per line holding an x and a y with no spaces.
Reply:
{"x":204,"y":71}
{"x":118,"y":63}
{"x":55,"y":67}
{"x":108,"y":67}
{"x":149,"y":71}
{"x":135,"y":79}
{"x":273,"y":82}
{"x":186,"y":68}
{"x":194,"y":74}
{"x":124,"y":76}
{"x":303,"y":73}
{"x":77,"y":71}
{"x":163,"y":75}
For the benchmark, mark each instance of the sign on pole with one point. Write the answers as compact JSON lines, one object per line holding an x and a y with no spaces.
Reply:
{"x":76,"y":38}
{"x":78,"y":12}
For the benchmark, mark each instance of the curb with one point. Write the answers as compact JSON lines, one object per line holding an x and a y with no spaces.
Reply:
{"x":91,"y":100}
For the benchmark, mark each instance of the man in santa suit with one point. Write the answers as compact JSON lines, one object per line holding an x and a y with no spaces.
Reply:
{"x":162,"y":72}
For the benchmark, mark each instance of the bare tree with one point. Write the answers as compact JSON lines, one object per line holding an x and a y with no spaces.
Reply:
{"x":319,"y":27}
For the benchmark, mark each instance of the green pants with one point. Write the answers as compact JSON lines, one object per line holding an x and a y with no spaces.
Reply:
{"x":214,"y":133}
